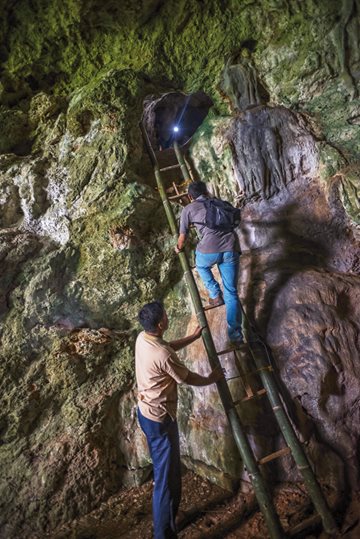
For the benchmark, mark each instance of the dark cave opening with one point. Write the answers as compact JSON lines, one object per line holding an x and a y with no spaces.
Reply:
{"x":174,"y":116}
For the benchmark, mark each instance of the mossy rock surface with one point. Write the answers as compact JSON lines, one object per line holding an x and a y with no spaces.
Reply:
{"x":84,"y":241}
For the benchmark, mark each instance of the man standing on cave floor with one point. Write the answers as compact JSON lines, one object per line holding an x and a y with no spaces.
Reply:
{"x":158,"y":371}
{"x":215,"y":220}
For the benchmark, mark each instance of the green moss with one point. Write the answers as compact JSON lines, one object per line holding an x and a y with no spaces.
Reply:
{"x":73,"y":46}
{"x":331,"y":161}
{"x":333,"y":111}
{"x":350,"y":192}
{"x":15,"y":132}
{"x":75,"y":76}
{"x":213,"y":157}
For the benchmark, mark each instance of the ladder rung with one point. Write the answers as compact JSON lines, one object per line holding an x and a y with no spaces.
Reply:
{"x":309,"y":522}
{"x":256,"y":395}
{"x":170,"y":168}
{"x":276,"y":455}
{"x":178,"y":197}
{"x":209,"y":307}
{"x":232,"y":349}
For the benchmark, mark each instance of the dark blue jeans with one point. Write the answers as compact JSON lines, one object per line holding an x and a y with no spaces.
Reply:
{"x":163,"y":442}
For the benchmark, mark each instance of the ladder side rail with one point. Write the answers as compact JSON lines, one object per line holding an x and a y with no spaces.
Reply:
{"x":148,"y":144}
{"x":258,"y":482}
{"x":261,"y":490}
{"x":183,"y":166}
{"x":302,"y":462}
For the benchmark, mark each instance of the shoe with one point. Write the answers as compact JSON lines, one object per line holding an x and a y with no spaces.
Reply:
{"x":215,"y":302}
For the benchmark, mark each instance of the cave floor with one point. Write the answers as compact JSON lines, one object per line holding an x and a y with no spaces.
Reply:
{"x":207,"y":511}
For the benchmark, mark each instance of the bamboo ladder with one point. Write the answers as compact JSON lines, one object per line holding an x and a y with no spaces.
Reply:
{"x":263,"y":369}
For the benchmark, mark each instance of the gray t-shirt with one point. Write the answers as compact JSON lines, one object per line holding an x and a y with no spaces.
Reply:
{"x":212,"y":241}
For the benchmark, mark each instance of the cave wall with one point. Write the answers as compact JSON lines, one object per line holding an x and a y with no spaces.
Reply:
{"x":84,"y":242}
{"x":299,"y":274}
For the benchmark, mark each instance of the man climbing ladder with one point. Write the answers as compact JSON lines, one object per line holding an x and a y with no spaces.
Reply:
{"x":218,"y":245}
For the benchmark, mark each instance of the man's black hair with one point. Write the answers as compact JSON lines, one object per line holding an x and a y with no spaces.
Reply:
{"x":150,"y":315}
{"x":196,"y":189}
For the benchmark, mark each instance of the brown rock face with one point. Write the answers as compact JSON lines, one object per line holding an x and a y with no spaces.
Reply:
{"x":302,"y":286}
{"x":315,"y":335}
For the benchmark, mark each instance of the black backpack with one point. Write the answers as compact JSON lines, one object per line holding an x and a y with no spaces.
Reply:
{"x":221,"y":215}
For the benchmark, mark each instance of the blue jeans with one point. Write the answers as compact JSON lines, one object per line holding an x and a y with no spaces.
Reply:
{"x":164,"y":447}
{"x":228,"y":264}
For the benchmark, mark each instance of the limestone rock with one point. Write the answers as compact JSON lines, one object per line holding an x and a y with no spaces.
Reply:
{"x":84,"y":241}
{"x":241,"y":83}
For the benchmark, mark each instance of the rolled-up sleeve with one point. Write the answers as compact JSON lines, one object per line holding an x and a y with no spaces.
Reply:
{"x":174,"y":368}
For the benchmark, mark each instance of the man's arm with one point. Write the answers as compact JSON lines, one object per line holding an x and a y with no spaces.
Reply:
{"x":180,"y":243}
{"x":185,"y":341}
{"x":182,"y":375}
{"x":184,"y":226}
{"x":194,"y":379}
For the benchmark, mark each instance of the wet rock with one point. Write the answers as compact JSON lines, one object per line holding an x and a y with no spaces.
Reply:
{"x":67,"y":298}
